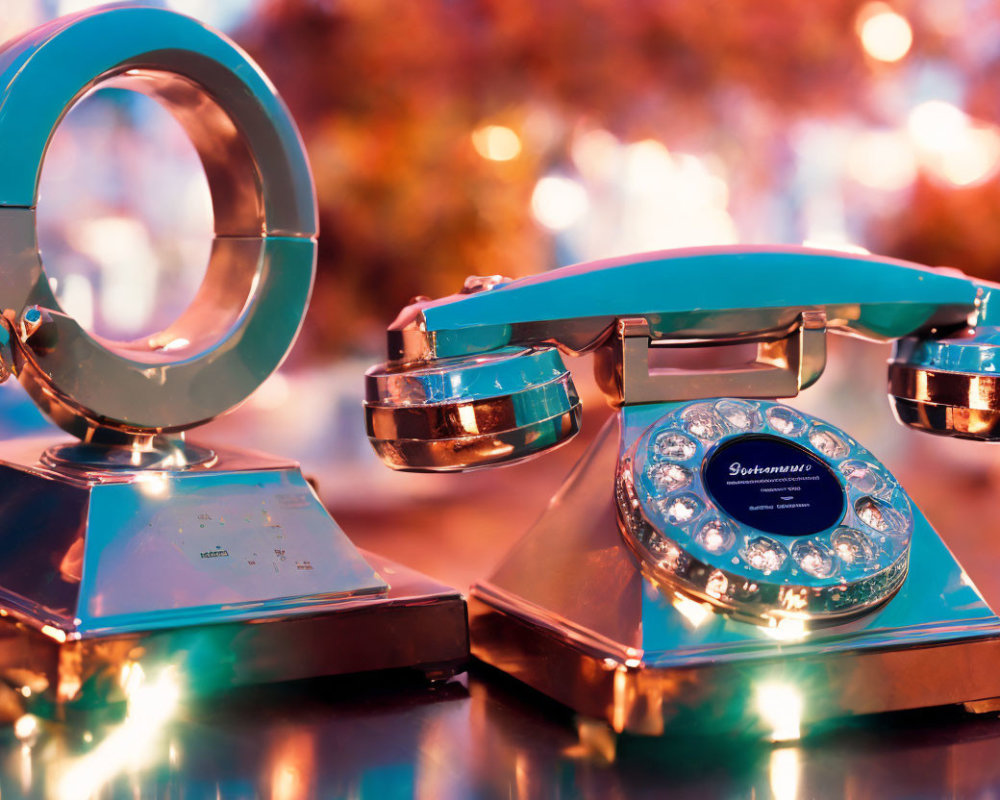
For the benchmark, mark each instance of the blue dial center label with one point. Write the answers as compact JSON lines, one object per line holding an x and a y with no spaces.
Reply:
{"x":774,"y":486}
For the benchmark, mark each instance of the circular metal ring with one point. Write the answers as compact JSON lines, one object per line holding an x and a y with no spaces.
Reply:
{"x":471,"y":411}
{"x":250,"y":305}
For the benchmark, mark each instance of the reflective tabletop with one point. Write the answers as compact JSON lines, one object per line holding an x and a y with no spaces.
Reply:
{"x":478,"y":737}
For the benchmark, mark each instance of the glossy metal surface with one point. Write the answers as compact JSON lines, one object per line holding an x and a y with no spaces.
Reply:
{"x":956,"y":421}
{"x":703,"y":293}
{"x":232,"y":571}
{"x":949,"y":386}
{"x":975,"y":351}
{"x":465,"y":413}
{"x":570,"y":613}
{"x":786,"y":362}
{"x":249,"y":308}
{"x":245,"y":538}
{"x":782,"y":299}
{"x":159,"y":453}
{"x":418,"y":624}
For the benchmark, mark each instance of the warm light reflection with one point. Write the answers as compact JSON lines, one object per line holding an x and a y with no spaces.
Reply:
{"x":694,"y":612}
{"x":293,"y":766}
{"x":780,"y":709}
{"x":643,"y":196}
{"x":559,"y":203}
{"x":68,"y":687}
{"x":467,"y":418}
{"x":177,"y":459}
{"x":27,"y":771}
{"x":129,"y":265}
{"x":784,"y":769}
{"x":286,"y":782}
{"x":153,"y":484}
{"x":54,"y":633}
{"x":717,"y":584}
{"x":131,"y":744}
{"x":952,"y":146}
{"x":787,"y":629}
{"x":936,"y":125}
{"x":496,"y":142}
{"x":837,"y":244}
{"x":175,"y":344}
{"x":885,"y":34}
{"x":882,"y":160}
{"x":26,"y":727}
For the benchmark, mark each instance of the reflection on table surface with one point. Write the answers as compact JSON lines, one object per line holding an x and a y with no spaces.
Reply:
{"x":475,"y":737}
{"x":483,"y":735}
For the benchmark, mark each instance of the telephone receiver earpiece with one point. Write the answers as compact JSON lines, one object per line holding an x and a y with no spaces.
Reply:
{"x":949,"y":386}
{"x":461,"y":413}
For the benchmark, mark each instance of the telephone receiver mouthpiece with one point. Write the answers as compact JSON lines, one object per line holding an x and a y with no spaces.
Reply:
{"x":455,"y":414}
{"x":949,"y":386}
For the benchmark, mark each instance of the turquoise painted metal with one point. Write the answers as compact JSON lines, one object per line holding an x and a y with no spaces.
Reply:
{"x":978,"y":353}
{"x":707,"y":292}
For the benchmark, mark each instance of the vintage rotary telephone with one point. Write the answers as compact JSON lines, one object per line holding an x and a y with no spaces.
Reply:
{"x":713,"y":544}
{"x":131,"y":544}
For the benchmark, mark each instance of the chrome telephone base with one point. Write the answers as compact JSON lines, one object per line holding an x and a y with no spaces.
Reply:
{"x":571,"y":614}
{"x":232,"y":573}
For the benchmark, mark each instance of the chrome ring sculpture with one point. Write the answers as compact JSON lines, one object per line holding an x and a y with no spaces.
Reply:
{"x":249,"y":308}
{"x":220,"y":562}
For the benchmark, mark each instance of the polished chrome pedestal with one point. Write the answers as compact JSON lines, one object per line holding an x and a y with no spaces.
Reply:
{"x":570,"y":613}
{"x":231,"y":570}
{"x":132,"y":545}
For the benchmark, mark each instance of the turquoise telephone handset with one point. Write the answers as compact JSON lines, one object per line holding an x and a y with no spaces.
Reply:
{"x":713,"y":539}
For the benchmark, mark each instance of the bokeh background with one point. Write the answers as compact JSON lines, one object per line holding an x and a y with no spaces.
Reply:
{"x":457,"y":137}
{"x":453,"y":137}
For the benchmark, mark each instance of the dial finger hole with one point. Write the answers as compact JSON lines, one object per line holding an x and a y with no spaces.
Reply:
{"x":814,"y":558}
{"x":764,"y":554}
{"x":675,"y":446}
{"x":828,"y":442}
{"x":852,"y":547}
{"x":786,"y":421}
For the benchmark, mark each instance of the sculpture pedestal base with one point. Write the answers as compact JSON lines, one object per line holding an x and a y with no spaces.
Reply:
{"x":570,"y":613}
{"x":232,"y":574}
